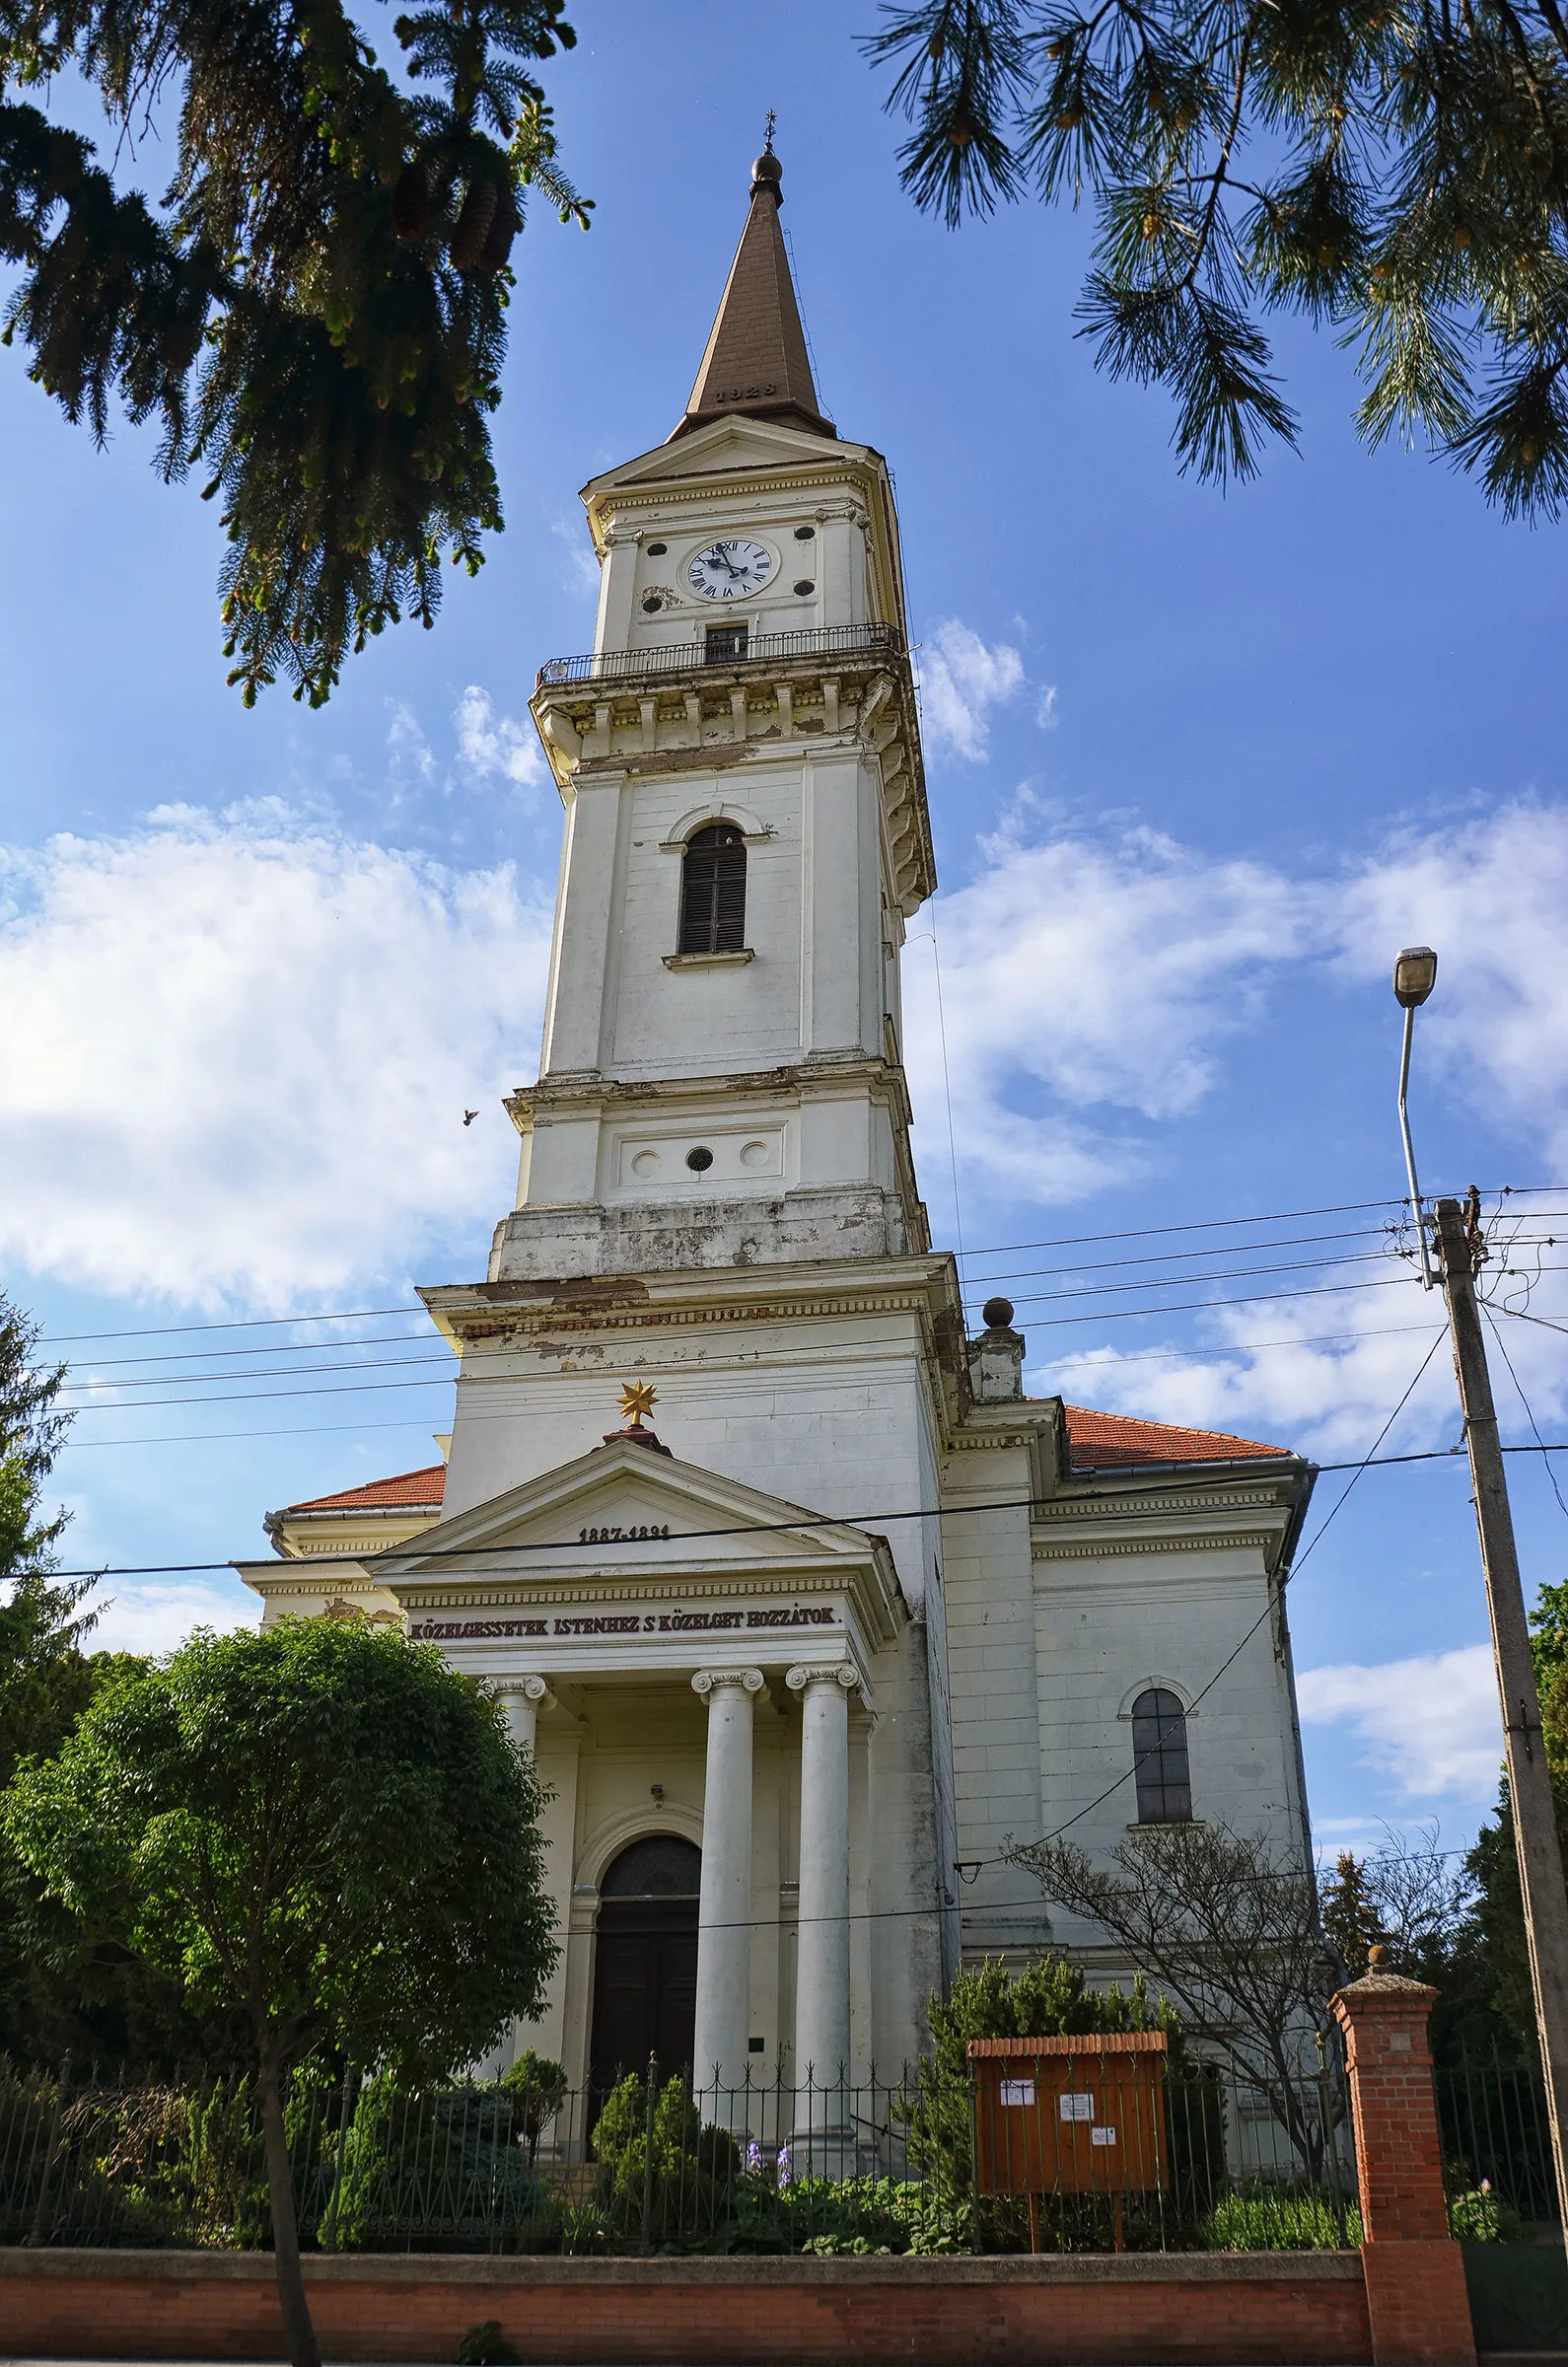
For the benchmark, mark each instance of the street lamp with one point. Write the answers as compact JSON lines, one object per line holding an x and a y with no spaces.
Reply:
{"x":1414,"y":977}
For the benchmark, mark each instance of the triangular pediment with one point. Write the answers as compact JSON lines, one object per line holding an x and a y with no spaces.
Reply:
{"x":626,"y":1487}
{"x":728,"y":445}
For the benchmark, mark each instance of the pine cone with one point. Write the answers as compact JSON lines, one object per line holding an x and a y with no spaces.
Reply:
{"x":411,"y":203}
{"x":502,"y":231}
{"x":474,"y":224}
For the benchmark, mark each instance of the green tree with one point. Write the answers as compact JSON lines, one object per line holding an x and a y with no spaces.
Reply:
{"x":314,"y":312}
{"x":324,"y":1828}
{"x":1395,"y":170}
{"x":1350,"y":1913}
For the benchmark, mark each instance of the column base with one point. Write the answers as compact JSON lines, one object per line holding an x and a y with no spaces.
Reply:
{"x":1417,"y":2304}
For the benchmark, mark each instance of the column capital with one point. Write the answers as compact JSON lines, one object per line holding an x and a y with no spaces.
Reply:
{"x":525,"y":1688}
{"x":826,"y":1671}
{"x":752,"y":1681}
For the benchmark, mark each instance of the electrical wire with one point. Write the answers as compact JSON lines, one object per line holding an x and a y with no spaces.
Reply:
{"x":1502,"y":1347}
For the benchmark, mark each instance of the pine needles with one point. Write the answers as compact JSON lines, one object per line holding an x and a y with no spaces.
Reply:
{"x":316,"y":310}
{"x":1413,"y":196}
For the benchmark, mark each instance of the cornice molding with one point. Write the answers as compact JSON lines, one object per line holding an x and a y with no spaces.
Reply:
{"x":1088,"y":1546}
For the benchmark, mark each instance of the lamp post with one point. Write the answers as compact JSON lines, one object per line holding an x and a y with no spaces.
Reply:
{"x":1530,"y":1787}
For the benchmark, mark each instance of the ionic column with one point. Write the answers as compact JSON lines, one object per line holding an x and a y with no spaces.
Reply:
{"x":822,"y":1992}
{"x":724,"y":1911}
{"x":521,"y":1699}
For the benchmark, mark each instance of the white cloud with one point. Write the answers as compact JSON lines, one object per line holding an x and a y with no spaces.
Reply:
{"x":492,"y":747}
{"x":1429,"y":1723}
{"x":154,"y":1616}
{"x":1098,"y":976}
{"x":961,"y":678}
{"x":238,"y":1050}
{"x":582,"y":563}
{"x":1492,"y":895}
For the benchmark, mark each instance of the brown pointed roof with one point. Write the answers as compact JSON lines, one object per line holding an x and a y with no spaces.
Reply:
{"x":755,"y":365}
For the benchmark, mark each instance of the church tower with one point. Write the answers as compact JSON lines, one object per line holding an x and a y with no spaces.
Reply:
{"x":802,"y":1655}
{"x":745,"y":836}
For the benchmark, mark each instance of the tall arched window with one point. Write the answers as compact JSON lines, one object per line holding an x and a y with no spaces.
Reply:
{"x":1160,"y":1757}
{"x":713,"y":891}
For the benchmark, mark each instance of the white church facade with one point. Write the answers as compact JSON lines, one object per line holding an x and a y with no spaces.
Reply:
{"x":805,"y":1610}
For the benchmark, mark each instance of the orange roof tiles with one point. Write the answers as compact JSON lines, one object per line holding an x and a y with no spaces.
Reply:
{"x":1098,"y":1441}
{"x":407,"y":1488}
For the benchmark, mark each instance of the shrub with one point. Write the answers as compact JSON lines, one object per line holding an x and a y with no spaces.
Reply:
{"x":685,"y":2187}
{"x":1481,"y":2217}
{"x":1279,"y":2219}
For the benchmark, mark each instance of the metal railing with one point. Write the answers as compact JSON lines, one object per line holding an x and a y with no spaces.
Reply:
{"x":1496,"y":2147}
{"x":622,"y":665}
{"x":819,"y":2167}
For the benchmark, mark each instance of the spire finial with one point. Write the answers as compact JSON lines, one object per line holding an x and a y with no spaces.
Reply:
{"x":767,"y":136}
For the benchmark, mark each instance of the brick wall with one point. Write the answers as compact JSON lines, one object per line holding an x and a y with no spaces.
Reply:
{"x":1248,"y":2308}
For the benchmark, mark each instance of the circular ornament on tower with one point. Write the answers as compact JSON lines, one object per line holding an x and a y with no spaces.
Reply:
{"x":730,"y":570}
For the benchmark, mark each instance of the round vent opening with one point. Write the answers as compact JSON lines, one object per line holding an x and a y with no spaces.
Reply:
{"x":656,"y":551}
{"x":700,"y":1160}
{"x":806,"y":534}
{"x":804,"y":586}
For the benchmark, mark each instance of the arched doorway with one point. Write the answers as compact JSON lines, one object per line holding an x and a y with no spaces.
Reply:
{"x":645,"y":1963}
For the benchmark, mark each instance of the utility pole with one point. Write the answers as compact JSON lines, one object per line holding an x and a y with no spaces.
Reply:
{"x":1530,"y":1791}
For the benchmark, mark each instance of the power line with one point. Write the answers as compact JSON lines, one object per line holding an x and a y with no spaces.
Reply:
{"x":354,"y":1315}
{"x":824,"y":1520}
{"x":1524,"y":1402}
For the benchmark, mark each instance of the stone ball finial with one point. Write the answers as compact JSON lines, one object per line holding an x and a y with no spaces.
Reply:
{"x":766,"y":174}
{"x":1376,"y":1957}
{"x":997,"y":1314}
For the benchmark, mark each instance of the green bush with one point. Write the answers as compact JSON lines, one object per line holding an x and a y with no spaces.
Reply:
{"x":441,"y":2168}
{"x":1479,"y":2216}
{"x":1278,"y":2219}
{"x":687,"y":2186}
{"x":537,"y":2087}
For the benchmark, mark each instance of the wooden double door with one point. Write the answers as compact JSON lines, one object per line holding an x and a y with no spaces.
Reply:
{"x":645,"y":1962}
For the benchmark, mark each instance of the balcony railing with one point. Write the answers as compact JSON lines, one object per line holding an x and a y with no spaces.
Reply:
{"x":761,"y":649}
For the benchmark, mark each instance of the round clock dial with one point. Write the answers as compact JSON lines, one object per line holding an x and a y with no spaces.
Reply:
{"x":730,"y":570}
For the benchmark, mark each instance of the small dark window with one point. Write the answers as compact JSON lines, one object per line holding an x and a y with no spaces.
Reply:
{"x":1160,"y":1757}
{"x":724,"y":642}
{"x":656,"y":551}
{"x":806,"y":534}
{"x":713,"y":891}
{"x":804,"y":586}
{"x":700,"y":1160}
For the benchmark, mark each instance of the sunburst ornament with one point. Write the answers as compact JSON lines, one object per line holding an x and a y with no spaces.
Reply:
{"x":637,"y":1398}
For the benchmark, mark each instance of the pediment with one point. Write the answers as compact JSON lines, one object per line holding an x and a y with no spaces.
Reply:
{"x":727,"y":445}
{"x":681,"y":1511}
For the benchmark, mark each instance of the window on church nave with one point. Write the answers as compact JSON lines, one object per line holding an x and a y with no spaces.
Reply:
{"x":1160,"y":1759}
{"x":713,"y":891}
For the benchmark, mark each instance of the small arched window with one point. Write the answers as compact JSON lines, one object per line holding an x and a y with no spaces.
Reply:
{"x":1160,"y":1759}
{"x":713,"y":891}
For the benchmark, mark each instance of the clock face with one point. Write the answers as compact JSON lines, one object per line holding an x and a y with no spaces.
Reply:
{"x":730,"y":570}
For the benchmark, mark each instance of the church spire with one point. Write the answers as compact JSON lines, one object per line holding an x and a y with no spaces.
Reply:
{"x":755,"y":364}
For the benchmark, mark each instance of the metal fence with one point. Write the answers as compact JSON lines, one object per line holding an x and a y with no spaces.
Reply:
{"x":1497,"y":2161}
{"x":819,"y":2167}
{"x":828,"y":641}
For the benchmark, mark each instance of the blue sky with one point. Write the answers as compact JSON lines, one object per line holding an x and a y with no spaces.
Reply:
{"x":1198,"y":765}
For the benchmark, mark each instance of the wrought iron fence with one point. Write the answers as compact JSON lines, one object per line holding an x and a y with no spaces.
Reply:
{"x":827,"y":641}
{"x":1497,"y":2161}
{"x":824,"y":2167}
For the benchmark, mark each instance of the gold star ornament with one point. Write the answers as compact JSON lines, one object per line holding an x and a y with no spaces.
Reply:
{"x":637,"y":1398}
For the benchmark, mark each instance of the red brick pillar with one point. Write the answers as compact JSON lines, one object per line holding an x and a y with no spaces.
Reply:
{"x":1416,"y":2300}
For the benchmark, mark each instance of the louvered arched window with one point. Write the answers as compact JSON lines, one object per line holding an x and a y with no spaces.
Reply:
{"x":713,"y":891}
{"x":1160,"y":1757}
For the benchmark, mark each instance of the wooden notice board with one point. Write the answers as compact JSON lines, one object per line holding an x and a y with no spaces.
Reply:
{"x":1081,"y":2115}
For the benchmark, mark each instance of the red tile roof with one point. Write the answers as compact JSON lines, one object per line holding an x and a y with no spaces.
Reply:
{"x":1100,"y":1440}
{"x":408,"y":1488}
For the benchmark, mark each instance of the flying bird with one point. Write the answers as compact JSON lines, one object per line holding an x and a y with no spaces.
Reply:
{"x":469,"y":1116}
